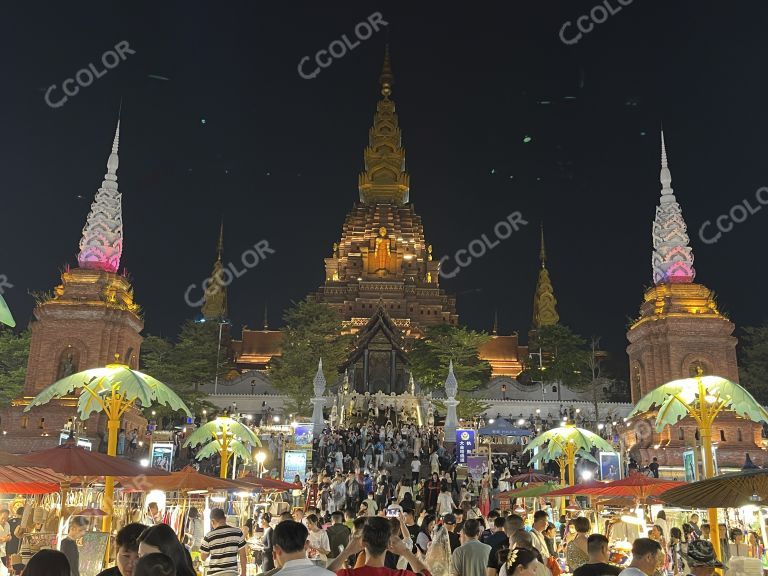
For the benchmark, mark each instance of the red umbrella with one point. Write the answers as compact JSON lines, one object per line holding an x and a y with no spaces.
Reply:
{"x":266,"y":483}
{"x":72,"y":460}
{"x":29,"y":480}
{"x":532,"y":477}
{"x":637,"y":486}
{"x":185,"y":480}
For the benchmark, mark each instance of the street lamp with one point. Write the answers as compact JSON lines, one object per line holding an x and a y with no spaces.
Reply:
{"x":218,"y":353}
{"x":276,"y":419}
{"x":260,"y":457}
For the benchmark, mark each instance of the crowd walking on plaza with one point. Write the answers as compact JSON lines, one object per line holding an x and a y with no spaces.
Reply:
{"x":389,"y":501}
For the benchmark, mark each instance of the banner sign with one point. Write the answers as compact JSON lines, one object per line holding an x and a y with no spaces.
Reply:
{"x":303,"y":435}
{"x":295,"y":462}
{"x":477,"y":465}
{"x":610,"y":466}
{"x":162,"y":455}
{"x":465,"y":443}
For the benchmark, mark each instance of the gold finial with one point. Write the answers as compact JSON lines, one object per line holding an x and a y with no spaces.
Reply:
{"x":386,"y":79}
{"x":117,"y":358}
{"x":542,"y":250}
{"x":383,"y":231}
{"x":335,"y":249}
{"x":495,"y":323}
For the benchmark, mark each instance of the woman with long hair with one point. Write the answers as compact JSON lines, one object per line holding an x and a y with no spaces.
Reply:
{"x":520,"y":562}
{"x":195,"y":531}
{"x":162,"y":538}
{"x":424,"y":538}
{"x":438,"y":556}
{"x":431,"y":491}
{"x":319,"y":544}
{"x":485,"y":494}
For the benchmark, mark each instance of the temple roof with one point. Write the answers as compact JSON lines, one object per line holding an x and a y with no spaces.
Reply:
{"x":257,"y":346}
{"x":380,"y":322}
{"x":501,"y":348}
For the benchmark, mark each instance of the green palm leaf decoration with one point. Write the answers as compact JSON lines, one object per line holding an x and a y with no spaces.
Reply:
{"x":235,"y":447}
{"x":675,"y":400}
{"x":5,"y":314}
{"x":553,"y":452}
{"x":214,"y":429}
{"x":582,"y":440}
{"x":98,"y":385}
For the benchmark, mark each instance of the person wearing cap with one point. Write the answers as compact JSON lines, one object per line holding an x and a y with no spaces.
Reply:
{"x":449,"y":520}
{"x":701,"y":558}
{"x":645,"y":558}
{"x":471,"y":558}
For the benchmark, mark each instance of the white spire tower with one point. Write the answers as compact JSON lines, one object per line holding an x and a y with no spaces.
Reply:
{"x":102,"y":243}
{"x":672,"y":259}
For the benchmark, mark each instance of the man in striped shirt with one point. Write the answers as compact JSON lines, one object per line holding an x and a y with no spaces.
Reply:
{"x":224,"y":547}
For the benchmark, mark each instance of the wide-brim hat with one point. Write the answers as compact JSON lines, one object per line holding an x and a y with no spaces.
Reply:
{"x":702,"y":553}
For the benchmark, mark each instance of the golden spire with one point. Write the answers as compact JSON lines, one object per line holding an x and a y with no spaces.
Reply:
{"x":215,"y":298}
{"x":386,"y":78}
{"x":495,"y":322}
{"x":384,"y":179}
{"x":544,"y":302}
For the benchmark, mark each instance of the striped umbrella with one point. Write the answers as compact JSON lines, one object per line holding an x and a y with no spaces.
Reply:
{"x":726,"y":491}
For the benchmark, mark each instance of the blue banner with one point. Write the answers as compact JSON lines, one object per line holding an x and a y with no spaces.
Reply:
{"x":465,"y":443}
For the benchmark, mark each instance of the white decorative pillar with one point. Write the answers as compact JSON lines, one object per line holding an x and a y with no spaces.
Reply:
{"x":451,"y":420}
{"x":318,"y":401}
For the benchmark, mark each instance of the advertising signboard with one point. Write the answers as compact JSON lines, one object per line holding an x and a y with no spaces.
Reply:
{"x":162,"y":455}
{"x":477,"y":465}
{"x":465,"y":443}
{"x":610,"y":466}
{"x":295,"y":462}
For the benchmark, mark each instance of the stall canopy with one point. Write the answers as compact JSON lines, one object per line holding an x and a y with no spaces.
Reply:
{"x":185,"y":480}
{"x":726,"y":491}
{"x":73,"y":460}
{"x":635,"y":486}
{"x":502,"y":427}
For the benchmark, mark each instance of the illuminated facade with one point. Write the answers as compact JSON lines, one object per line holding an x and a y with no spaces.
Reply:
{"x":679,"y":330}
{"x":88,"y":321}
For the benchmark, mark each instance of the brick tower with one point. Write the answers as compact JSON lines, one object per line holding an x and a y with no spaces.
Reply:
{"x":89,"y":320}
{"x":678,"y":331}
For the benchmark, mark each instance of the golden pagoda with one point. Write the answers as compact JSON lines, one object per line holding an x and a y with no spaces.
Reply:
{"x":382,"y":258}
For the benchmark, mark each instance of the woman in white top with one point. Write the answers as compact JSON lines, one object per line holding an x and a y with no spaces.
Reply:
{"x":445,"y":504}
{"x":319,"y":545}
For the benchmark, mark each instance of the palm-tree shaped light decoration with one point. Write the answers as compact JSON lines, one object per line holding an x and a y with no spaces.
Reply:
{"x":702,"y":398}
{"x":112,"y":390}
{"x":564,"y":444}
{"x":225,"y":436}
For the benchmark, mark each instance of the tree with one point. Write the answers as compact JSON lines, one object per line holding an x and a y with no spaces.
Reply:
{"x":753,"y":360}
{"x":187,"y":365}
{"x":312,"y":331}
{"x":430,"y":356}
{"x":14,"y":354}
{"x":564,"y":358}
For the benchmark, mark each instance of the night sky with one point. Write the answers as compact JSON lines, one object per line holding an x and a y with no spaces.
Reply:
{"x":217,"y":123}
